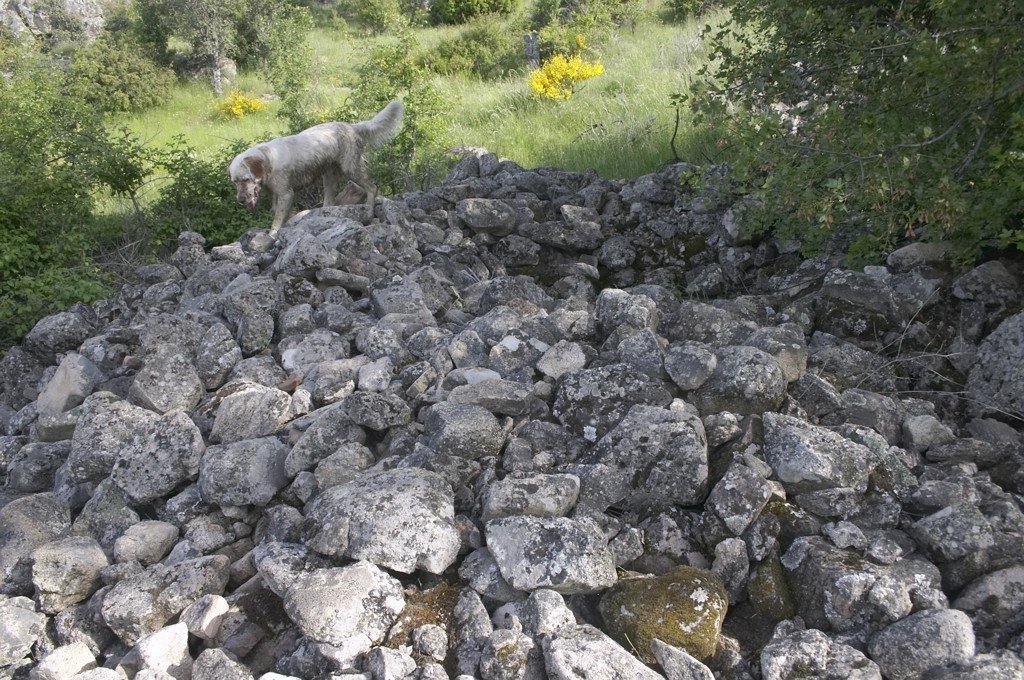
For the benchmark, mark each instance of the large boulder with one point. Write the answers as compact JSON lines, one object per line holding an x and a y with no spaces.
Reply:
{"x":402,"y":519}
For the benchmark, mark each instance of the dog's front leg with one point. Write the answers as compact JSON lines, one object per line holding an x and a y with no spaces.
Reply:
{"x":282,"y":204}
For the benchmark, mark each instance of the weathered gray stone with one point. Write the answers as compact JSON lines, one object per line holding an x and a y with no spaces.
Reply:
{"x":587,"y":651}
{"x":166,"y":651}
{"x":249,"y":411}
{"x":64,"y":663}
{"x":75,"y":379}
{"x":997,"y":379}
{"x":107,"y":426}
{"x":377,"y":411}
{"x":503,"y":397}
{"x":566,"y":555}
{"x":511,"y":655}
{"x":954,"y":532}
{"x":247,"y":472}
{"x":463,"y":430}
{"x":690,"y":364}
{"x":745,"y":380}
{"x":537,"y":496}
{"x":26,"y":524}
{"x":562,"y":358}
{"x":143,"y":603}
{"x":738,"y":498}
{"x":20,"y":626}
{"x":161,"y":457}
{"x":911,"y":648}
{"x":57,"y":333}
{"x":333,"y":605}
{"x":592,"y":401}
{"x":215,"y":664}
{"x":663,"y":451}
{"x":66,"y":571}
{"x":805,"y":457}
{"x":146,"y":542}
{"x":793,"y":654}
{"x":217,"y":354}
{"x":678,"y":664}
{"x":167,"y":382}
{"x":402,"y":519}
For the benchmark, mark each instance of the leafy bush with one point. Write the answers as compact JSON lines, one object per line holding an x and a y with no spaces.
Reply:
{"x":875,"y":123}
{"x":487,"y":49}
{"x":378,"y":16}
{"x":239,"y":105}
{"x":558,"y":76}
{"x":54,"y":153}
{"x":411,"y":159}
{"x":461,"y":11}
{"x":199,"y":197}
{"x":681,"y":10}
{"x":117,"y":76}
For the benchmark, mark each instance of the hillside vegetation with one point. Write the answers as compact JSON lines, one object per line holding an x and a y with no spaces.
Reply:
{"x":859,"y":127}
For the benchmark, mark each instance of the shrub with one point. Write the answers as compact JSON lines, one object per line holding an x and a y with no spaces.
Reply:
{"x":378,"y":16}
{"x":116,"y":76}
{"x":239,"y":105}
{"x":410,"y":160}
{"x":290,"y":64}
{"x":681,"y":10}
{"x":558,"y":76}
{"x":460,"y":11}
{"x":199,"y":197}
{"x":54,"y":153}
{"x":487,"y":49}
{"x":873,"y":123}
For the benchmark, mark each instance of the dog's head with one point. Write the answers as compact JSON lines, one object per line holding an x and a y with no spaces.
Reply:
{"x":247,"y":171}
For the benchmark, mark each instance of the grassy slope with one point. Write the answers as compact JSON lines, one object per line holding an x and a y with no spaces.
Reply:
{"x":618,"y":124}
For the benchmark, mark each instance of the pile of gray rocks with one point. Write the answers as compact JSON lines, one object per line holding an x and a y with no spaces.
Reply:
{"x":525,"y":424}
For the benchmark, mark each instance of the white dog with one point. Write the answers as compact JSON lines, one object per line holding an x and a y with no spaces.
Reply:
{"x":331,"y":151}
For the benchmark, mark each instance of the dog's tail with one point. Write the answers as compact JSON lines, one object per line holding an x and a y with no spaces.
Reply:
{"x":382,"y":126}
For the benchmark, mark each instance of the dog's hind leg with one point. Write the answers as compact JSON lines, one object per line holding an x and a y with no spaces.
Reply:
{"x":282,"y":204}
{"x":331,"y":194}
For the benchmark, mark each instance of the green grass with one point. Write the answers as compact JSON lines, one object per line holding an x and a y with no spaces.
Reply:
{"x":618,"y":124}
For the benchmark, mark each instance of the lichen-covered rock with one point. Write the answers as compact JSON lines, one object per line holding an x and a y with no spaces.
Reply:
{"x":215,"y":664}
{"x":57,"y":333}
{"x":684,"y":607}
{"x":66,"y":571}
{"x":592,"y":401}
{"x":166,"y":651}
{"x":567,"y":555}
{"x":954,"y":532}
{"x":217,"y":354}
{"x":463,"y":430}
{"x":402,"y":519}
{"x":663,"y":451}
{"x":584,"y":651}
{"x":334,"y":605}
{"x":912,"y":648}
{"x":167,"y":382}
{"x":996,"y":381}
{"x":249,"y":411}
{"x":26,"y":524}
{"x":143,"y":603}
{"x":106,"y":427}
{"x":805,"y":457}
{"x":738,"y":498}
{"x":793,"y":654}
{"x":162,"y":456}
{"x":377,"y":411}
{"x":745,"y":380}
{"x":690,"y":364}
{"x":537,"y":495}
{"x":244,"y":472}
{"x":20,"y":626}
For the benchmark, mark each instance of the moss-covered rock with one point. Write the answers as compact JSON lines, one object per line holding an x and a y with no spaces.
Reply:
{"x":769,"y":592}
{"x":684,"y":607}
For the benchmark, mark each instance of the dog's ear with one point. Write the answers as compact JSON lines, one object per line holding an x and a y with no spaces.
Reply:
{"x":256,"y":166}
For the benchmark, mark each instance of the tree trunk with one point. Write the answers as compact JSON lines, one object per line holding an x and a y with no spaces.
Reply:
{"x":218,"y":82}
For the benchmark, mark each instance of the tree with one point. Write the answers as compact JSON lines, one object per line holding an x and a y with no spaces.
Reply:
{"x":875,"y":122}
{"x":210,"y":27}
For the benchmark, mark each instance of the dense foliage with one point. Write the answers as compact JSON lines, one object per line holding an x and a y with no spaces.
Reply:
{"x":116,"y":76}
{"x":410,"y":160}
{"x":54,"y":152}
{"x":460,"y":11}
{"x":868,"y":124}
{"x":486,"y":49}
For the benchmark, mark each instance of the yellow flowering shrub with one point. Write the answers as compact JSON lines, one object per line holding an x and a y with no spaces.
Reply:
{"x":557,"y":77}
{"x":238,"y":105}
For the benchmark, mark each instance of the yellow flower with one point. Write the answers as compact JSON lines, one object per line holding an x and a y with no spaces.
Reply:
{"x":238,"y":105}
{"x":557,"y":77}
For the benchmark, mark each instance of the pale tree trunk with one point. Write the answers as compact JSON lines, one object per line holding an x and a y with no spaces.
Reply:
{"x":218,"y":81}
